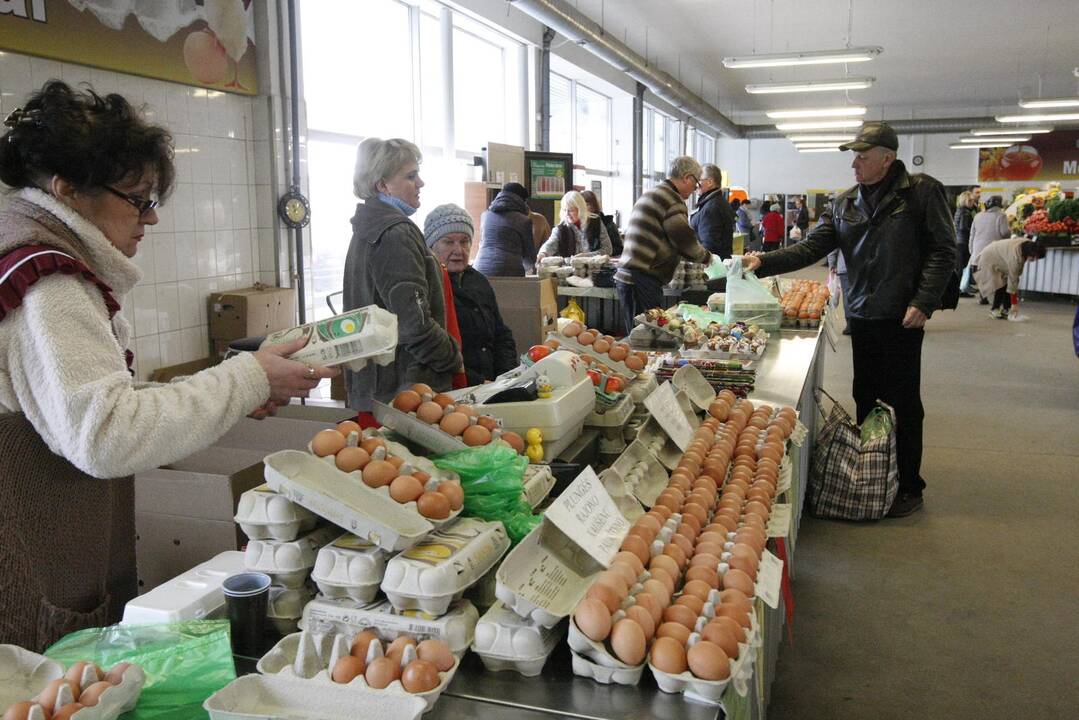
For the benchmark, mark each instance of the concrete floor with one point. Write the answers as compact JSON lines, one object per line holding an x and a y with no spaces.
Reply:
{"x":968,"y":608}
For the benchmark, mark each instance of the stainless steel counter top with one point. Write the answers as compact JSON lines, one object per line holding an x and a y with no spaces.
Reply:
{"x":784,"y":370}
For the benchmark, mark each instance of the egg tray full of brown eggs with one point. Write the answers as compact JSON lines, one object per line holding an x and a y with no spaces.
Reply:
{"x":37,"y":688}
{"x":438,"y":423}
{"x":680,"y":592}
{"x":604,"y":348}
{"x":364,"y":663}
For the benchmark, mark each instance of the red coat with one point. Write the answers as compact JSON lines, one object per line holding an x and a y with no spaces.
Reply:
{"x":774,"y":228}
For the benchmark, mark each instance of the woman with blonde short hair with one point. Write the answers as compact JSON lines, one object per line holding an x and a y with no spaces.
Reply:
{"x":568,"y":238}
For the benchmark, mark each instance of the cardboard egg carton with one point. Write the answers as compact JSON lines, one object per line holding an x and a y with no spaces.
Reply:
{"x":538,"y":483}
{"x":262,"y":514}
{"x":605,"y":674}
{"x":349,"y":567}
{"x":346,"y":500}
{"x":506,"y":641}
{"x":657,"y":442}
{"x":193,"y":595}
{"x":285,"y":607}
{"x":24,"y":674}
{"x":642,"y":387}
{"x":288,"y":563}
{"x":642,"y":471}
{"x":598,"y":663}
{"x":350,"y":339}
{"x":311,"y":657}
{"x":689,"y":380}
{"x":432,"y":574}
{"x":456,"y":627}
{"x":427,"y":435}
{"x":262,"y":697}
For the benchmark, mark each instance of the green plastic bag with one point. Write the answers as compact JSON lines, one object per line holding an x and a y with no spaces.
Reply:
{"x":716,"y":269}
{"x":492,"y":477}
{"x":185,"y":663}
{"x":877,"y":425}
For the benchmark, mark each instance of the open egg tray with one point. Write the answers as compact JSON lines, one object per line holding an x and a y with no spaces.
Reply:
{"x":262,"y":514}
{"x":456,"y":627}
{"x":345,"y":500}
{"x":657,"y":442}
{"x":310,"y":657}
{"x":263,"y":697}
{"x":606,"y":675}
{"x":285,"y":607}
{"x":506,"y":641}
{"x":431,"y":575}
{"x":567,"y":343}
{"x":429,"y":436}
{"x":24,"y":674}
{"x":597,"y":656}
{"x":349,"y":567}
{"x":642,"y":472}
{"x":288,"y":562}
{"x":689,"y":380}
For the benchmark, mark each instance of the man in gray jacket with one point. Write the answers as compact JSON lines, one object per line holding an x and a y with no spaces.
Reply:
{"x":896,"y":234}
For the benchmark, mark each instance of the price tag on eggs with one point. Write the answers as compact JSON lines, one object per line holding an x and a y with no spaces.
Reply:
{"x":667,"y":408}
{"x":779,"y":523}
{"x":587,"y":515}
{"x":769,"y":578}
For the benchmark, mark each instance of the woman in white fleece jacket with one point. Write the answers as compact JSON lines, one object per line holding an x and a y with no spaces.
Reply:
{"x":86,"y":172}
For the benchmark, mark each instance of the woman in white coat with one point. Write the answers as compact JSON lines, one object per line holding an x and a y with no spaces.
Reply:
{"x":997,"y":269}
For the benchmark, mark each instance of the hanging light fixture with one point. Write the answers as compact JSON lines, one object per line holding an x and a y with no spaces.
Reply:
{"x":1049,"y":103}
{"x":988,"y":139}
{"x":964,"y":146}
{"x":820,"y":138}
{"x":819,"y":125}
{"x":815,"y":145}
{"x":856,"y":83}
{"x":831,"y":149}
{"x":815,"y":57}
{"x":1046,"y":117}
{"x":1010,"y":131}
{"x":846,"y":111}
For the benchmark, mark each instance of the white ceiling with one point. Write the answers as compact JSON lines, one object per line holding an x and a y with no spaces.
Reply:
{"x":940,"y":59}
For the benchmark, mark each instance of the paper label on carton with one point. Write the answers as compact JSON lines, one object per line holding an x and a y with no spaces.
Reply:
{"x":444,"y":544}
{"x":541,"y":582}
{"x":328,"y":341}
{"x":668,"y":412}
{"x":779,"y":523}
{"x":589,"y":517}
{"x":769,"y":577}
{"x":351,"y":542}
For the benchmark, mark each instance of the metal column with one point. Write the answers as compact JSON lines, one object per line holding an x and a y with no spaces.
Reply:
{"x":638,"y":141}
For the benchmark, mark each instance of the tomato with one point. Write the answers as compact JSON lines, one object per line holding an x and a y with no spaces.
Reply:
{"x":614,"y":385}
{"x":538,"y":352}
{"x":595,"y":377}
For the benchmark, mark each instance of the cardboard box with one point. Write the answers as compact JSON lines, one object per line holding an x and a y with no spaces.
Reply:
{"x":281,"y":433}
{"x":529,"y":307}
{"x":258,"y":310}
{"x":167,"y":374}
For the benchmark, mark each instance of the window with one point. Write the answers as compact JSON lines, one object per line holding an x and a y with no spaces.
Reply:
{"x":561,"y":114}
{"x":704,"y":147}
{"x":486,"y":86}
{"x":593,"y":132}
{"x":432,"y":75}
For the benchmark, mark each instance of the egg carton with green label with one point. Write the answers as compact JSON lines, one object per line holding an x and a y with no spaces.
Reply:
{"x":350,"y":339}
{"x":456,"y":627}
{"x":262,"y":514}
{"x":285,"y":606}
{"x":349,"y":567}
{"x":506,"y":641}
{"x":431,"y":575}
{"x":288,"y":563}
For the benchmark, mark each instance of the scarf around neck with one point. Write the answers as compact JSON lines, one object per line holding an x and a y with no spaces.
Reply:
{"x":401,"y":205}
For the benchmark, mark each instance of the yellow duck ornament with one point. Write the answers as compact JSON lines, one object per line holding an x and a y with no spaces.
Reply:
{"x":534,"y":451}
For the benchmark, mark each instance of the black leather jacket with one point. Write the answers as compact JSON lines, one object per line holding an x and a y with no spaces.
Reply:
{"x":900,"y":255}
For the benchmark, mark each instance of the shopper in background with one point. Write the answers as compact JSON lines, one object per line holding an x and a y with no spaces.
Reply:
{"x":896,"y":234}
{"x":744,"y":221}
{"x":772,"y":228}
{"x":595,"y":209}
{"x":998,"y":268}
{"x":486,"y":343}
{"x":801,"y":215}
{"x":389,"y":265}
{"x":964,"y":219}
{"x":507,"y":249}
{"x":86,"y":173}
{"x":989,"y":225}
{"x":713,"y":220}
{"x":541,"y":229}
{"x":578,"y":233}
{"x":976,"y":194}
{"x":658,"y":237}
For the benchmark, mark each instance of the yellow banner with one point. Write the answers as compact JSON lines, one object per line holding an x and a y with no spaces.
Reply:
{"x":209,"y":45}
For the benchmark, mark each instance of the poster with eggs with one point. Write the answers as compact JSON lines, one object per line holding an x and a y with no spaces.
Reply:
{"x":209,"y":44}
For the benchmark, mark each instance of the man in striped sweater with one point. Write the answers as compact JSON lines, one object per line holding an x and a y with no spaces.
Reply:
{"x":657,"y":237}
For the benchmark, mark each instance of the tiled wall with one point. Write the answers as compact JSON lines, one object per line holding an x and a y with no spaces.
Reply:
{"x":215,"y":233}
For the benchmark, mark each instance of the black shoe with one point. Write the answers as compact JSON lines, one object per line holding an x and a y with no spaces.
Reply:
{"x":906,"y":504}
{"x":983,"y":301}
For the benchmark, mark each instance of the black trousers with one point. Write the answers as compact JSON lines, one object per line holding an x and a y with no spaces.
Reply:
{"x":1002,"y":299}
{"x":645,"y":293}
{"x":888,"y":366}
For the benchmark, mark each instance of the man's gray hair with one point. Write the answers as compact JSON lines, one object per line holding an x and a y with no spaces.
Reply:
{"x":712,"y":172}
{"x":684,"y":165}
{"x":377,"y":160}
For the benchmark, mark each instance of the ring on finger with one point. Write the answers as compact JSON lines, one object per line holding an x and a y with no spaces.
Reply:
{"x":310,"y":371}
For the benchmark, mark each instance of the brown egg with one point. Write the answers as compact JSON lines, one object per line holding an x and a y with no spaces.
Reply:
{"x":638,"y":547}
{"x":419,"y":676}
{"x":361,"y":642}
{"x":351,"y":458}
{"x":396,"y":648}
{"x":573,"y":329}
{"x":649,"y":602}
{"x":738,"y":613}
{"x":721,"y":635}
{"x":397,"y":462}
{"x":586,"y":338}
{"x":628,"y":642}
{"x":371,"y":444}
{"x":709,"y":548}
{"x":752,"y":520}
{"x":716,"y":537}
{"x":649,"y":521}
{"x":116,"y":674}
{"x":593,"y":619}
{"x":437,"y":653}
{"x":684,"y":543}
{"x":634,"y":363}
{"x":552,"y":343}
{"x":707,"y":560}
{"x":442,"y":400}
{"x":658,"y":590}
{"x":47,"y":697}
{"x":67,"y":711}
{"x":382,"y":671}
{"x":405,"y":488}
{"x":677,"y":554}
{"x":749,"y":567}
{"x":20,"y":711}
{"x":430,"y":412}
{"x":453,"y":493}
{"x":733,"y":597}
{"x":488,"y":422}
{"x":601,"y":346}
{"x":692,"y":602}
{"x":708,"y":661}
{"x":92,"y":695}
{"x":607,"y":595}
{"x":423,"y":389}
{"x":346,"y":669}
{"x":664,"y":577}
{"x":704,"y":574}
{"x":732,"y":626}
{"x":379,"y":473}
{"x":665,"y":512}
{"x":738,"y":580}
{"x":348,"y":426}
{"x":669,"y":656}
{"x":476,"y":435}
{"x":631,"y":559}
{"x":667,"y":563}
{"x":674,"y":630}
{"x":514,"y":440}
{"x":433,"y":505}
{"x":681,"y":615}
{"x":407,"y":400}
{"x":643,"y":618}
{"x":698,"y":589}
{"x":455,"y":423}
{"x":614,"y":580}
{"x":325,"y":442}
{"x":618,"y":352}
{"x":688,"y":530}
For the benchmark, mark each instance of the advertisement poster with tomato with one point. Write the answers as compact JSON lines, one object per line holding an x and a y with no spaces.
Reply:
{"x":1051,"y":156}
{"x":210,"y":43}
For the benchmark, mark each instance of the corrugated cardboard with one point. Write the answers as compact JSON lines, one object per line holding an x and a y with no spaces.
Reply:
{"x":280,"y":433}
{"x":528,"y":306}
{"x":252,"y":311}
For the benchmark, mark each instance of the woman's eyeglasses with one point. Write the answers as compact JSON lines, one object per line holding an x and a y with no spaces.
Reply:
{"x":143,"y":205}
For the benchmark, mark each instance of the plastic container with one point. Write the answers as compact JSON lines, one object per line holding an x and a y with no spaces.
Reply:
{"x":349,"y":567}
{"x":193,"y":595}
{"x":288,"y":563}
{"x":345,"y":501}
{"x":24,"y":674}
{"x":286,"y":606}
{"x":615,"y":416}
{"x":264,"y":515}
{"x":262,"y":697}
{"x":506,"y":641}
{"x":456,"y":627}
{"x":434,"y":573}
{"x":538,"y":483}
{"x":351,"y":339}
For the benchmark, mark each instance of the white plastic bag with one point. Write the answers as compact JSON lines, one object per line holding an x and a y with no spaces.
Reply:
{"x":835,"y":289}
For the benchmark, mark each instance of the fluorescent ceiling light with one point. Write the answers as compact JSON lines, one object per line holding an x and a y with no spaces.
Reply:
{"x":963,"y":146}
{"x":1047,"y":117}
{"x":816,"y":57}
{"x":820,"y":125}
{"x":987,"y":139}
{"x":846,"y":111}
{"x":806,"y":145}
{"x":1010,"y":131}
{"x":831,"y":149}
{"x":1049,"y":103}
{"x":820,"y":138}
{"x":859,"y":83}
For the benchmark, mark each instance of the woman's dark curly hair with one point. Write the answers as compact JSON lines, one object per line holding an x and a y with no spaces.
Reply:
{"x":89,"y":140}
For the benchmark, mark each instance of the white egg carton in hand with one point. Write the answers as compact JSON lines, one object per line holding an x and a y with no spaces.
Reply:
{"x":349,"y":567}
{"x":506,"y":641}
{"x":288,"y":563}
{"x":264,"y":515}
